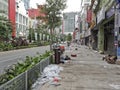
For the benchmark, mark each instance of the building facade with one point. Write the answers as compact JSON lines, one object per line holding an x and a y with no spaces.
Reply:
{"x":104,"y":26}
{"x":105,"y":22}
{"x":85,"y":32}
{"x":69,"y":22}
{"x":4,"y":8}
{"x":26,"y":4}
{"x":21,"y":19}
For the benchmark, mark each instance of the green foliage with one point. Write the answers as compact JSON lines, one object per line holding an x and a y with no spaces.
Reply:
{"x":5,"y":46}
{"x":53,"y":15}
{"x":46,"y":43}
{"x":63,"y":37}
{"x":39,"y":30}
{"x":31,"y":35}
{"x":5,"y":29}
{"x":21,"y":67}
{"x":53,"y":10}
{"x":69,"y":37}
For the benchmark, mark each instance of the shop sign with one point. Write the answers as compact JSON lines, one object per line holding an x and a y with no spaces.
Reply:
{"x":118,"y":52}
{"x":101,"y":15}
{"x":110,"y":12}
{"x":118,"y":1}
{"x":89,"y":16}
{"x":117,"y":18}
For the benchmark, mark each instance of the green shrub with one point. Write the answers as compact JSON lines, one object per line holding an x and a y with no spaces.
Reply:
{"x":5,"y":46}
{"x":21,"y":67}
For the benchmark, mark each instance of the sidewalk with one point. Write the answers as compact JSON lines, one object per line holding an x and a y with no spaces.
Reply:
{"x":87,"y":71}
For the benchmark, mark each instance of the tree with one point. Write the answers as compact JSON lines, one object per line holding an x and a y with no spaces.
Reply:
{"x":31,"y":35}
{"x":69,"y":37}
{"x":53,"y":11}
{"x":5,"y":29}
{"x":40,"y":29}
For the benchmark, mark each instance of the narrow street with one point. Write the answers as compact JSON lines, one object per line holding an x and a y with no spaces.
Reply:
{"x":87,"y":71}
{"x":9,"y":58}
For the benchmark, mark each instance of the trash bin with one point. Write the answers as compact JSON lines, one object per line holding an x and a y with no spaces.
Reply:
{"x":62,"y":48}
{"x":57,"y":52}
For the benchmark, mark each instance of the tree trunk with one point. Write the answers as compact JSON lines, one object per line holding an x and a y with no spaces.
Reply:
{"x":51,"y":32}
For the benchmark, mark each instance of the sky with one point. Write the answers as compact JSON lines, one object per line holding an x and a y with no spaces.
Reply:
{"x":72,"y":5}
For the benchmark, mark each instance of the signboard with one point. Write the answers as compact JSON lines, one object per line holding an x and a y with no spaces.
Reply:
{"x":118,"y":1}
{"x":110,"y":12}
{"x":101,"y":15}
{"x":117,"y":18}
{"x":89,"y":16}
{"x":118,"y":52}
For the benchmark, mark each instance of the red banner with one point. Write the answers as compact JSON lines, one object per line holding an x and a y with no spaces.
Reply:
{"x":89,"y":16}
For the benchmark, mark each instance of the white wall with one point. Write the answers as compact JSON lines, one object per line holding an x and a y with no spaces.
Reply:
{"x":21,"y":19}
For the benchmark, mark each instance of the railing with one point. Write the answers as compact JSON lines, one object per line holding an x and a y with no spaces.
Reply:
{"x":26,"y":79}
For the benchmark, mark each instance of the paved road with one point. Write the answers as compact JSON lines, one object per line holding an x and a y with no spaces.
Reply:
{"x":8,"y":58}
{"x":87,"y":71}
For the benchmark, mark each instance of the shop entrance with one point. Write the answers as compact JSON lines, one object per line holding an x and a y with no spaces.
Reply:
{"x":109,"y":38}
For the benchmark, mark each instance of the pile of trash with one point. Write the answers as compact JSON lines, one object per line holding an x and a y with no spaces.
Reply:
{"x":111,"y":59}
{"x":50,"y":74}
{"x":65,"y":59}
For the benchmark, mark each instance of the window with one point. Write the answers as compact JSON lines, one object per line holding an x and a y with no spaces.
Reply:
{"x":20,"y":27}
{"x":17,"y":16}
{"x":24,"y":20}
{"x":20,"y":18}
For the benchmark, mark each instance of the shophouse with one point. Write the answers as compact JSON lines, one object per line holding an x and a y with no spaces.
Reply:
{"x":85,"y":33}
{"x":105,"y":24}
{"x":92,"y":20}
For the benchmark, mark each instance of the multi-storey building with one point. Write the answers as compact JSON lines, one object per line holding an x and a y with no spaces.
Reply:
{"x":27,"y":4}
{"x":4,"y":8}
{"x":21,"y":19}
{"x":69,"y":22}
{"x":106,"y":25}
{"x":85,"y":33}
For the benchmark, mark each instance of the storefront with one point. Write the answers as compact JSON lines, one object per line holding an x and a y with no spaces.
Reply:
{"x":100,"y":19}
{"x":109,"y":37}
{"x":108,"y":26}
{"x":94,"y":35}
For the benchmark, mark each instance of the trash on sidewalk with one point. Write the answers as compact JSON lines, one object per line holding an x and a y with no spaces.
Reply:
{"x":50,"y":74}
{"x":115,"y":86}
{"x":65,"y":59}
{"x":118,"y":62}
{"x":73,"y":55}
{"x":55,"y":84}
{"x":110,"y":59}
{"x":76,"y":48}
